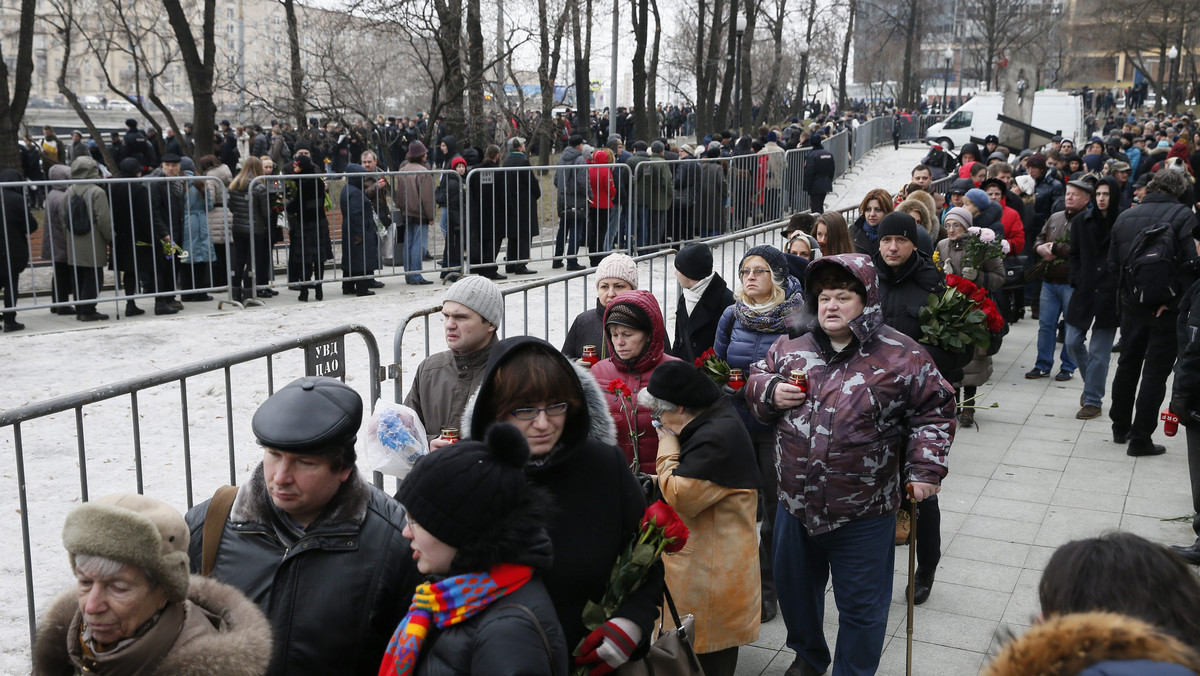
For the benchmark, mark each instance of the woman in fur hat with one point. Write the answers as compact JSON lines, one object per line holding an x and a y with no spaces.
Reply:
{"x":135,"y":608}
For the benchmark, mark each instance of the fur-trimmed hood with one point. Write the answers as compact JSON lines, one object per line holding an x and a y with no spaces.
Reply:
{"x":599,"y":423}
{"x":239,"y":646}
{"x":349,"y":504}
{"x":1070,"y":645}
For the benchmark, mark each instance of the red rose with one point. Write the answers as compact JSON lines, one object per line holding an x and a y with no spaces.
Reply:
{"x":617,"y":387}
{"x":678,"y":534}
{"x":661,"y":515}
{"x":699,"y":363}
{"x":953,"y":280}
{"x":978,"y":295}
{"x":710,"y":353}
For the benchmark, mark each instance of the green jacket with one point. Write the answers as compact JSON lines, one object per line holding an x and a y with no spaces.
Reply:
{"x":90,"y":250}
{"x":654,"y":186}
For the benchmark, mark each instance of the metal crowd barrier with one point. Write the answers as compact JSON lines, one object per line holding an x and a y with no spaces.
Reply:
{"x":138,"y":402}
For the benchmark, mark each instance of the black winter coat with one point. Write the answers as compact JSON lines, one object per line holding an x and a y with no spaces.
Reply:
{"x":503,"y":640}
{"x":521,"y":192}
{"x":1095,"y":295}
{"x":1154,"y":208}
{"x":334,"y":593}
{"x":1186,"y":385}
{"x":819,"y":172}
{"x":599,"y":503}
{"x":309,"y":229}
{"x":242,"y":204}
{"x":360,"y":239}
{"x":18,"y":225}
{"x":698,"y":332}
{"x":486,"y":218}
{"x":1046,"y":194}
{"x":133,"y":222}
{"x":904,"y":292}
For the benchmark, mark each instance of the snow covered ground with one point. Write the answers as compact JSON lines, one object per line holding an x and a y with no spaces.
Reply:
{"x":59,"y":356}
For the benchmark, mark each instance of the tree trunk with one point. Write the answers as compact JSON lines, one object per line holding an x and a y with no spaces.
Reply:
{"x":707,"y":56}
{"x":70,"y":95}
{"x":12,"y":108}
{"x":295,"y":68}
{"x":768,"y":102}
{"x":652,"y":80}
{"x":641,"y":17}
{"x":730,"y":71}
{"x":199,"y":69}
{"x":911,"y":45}
{"x":583,"y":85}
{"x":478,"y":123}
{"x":846,"y":58}
{"x":745,"y":115}
{"x":798,"y":103}
{"x":449,"y":43}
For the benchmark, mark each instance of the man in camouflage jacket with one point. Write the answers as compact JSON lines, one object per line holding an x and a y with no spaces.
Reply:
{"x":877,"y":415}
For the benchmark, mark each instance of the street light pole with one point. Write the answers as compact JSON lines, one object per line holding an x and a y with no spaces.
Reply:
{"x":740,"y":26}
{"x":948,"y":55}
{"x":1172,"y":56}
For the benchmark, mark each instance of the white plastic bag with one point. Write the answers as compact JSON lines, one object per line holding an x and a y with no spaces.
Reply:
{"x":395,"y":439}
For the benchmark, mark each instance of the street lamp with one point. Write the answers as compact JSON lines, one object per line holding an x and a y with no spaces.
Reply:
{"x":740,"y":27}
{"x":803,"y":46}
{"x":1172,"y":55}
{"x":947,"y":55}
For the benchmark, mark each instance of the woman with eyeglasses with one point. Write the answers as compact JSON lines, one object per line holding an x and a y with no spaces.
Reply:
{"x":763,"y":304}
{"x":564,"y":415}
{"x":635,"y":337}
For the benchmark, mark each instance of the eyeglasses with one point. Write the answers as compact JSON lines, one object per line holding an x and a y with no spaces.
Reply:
{"x":553,"y":410}
{"x":754,"y":272}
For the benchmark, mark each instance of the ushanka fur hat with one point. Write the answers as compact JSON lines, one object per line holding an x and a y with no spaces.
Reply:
{"x":135,"y":530}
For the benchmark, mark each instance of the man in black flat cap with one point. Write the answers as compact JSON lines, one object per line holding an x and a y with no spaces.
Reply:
{"x":318,"y":548}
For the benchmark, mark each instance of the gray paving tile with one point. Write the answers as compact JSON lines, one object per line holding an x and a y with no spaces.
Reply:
{"x":1027,"y":475}
{"x":1013,"y":510}
{"x":1166,"y":505}
{"x":956,"y":599}
{"x":978,"y":464}
{"x":1042,"y":446}
{"x":753,"y":661}
{"x":986,"y":549}
{"x":929,"y":659}
{"x":1018,"y":455}
{"x":1101,"y":476}
{"x":978,"y":574}
{"x":1023,"y":606}
{"x":1004,"y":530}
{"x":1101,"y":502}
{"x":950,"y":629}
{"x":1038,"y":556}
{"x":1063,"y":524}
{"x":1012,"y":490}
{"x":1159,"y":530}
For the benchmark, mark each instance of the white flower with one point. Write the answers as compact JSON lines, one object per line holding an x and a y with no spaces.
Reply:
{"x":973,"y":230}
{"x":1004,"y":247}
{"x":987,"y":236}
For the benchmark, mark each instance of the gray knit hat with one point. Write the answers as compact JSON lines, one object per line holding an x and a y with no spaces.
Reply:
{"x":135,"y":530}
{"x":618,"y":266}
{"x":481,"y":295}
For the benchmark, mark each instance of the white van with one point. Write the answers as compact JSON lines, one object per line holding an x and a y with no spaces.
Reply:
{"x":1054,"y":111}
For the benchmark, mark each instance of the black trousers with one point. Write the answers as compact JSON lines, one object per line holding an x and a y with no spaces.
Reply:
{"x":520,"y":234}
{"x":816,"y":202}
{"x":929,"y":533}
{"x":64,"y":285}
{"x":719,"y":663}
{"x":1148,"y":350}
{"x":10,"y":296}
{"x":87,"y":287}
{"x":1193,"y":442}
{"x":764,"y":452}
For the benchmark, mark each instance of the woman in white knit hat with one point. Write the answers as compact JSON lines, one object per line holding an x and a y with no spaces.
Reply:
{"x":615,"y":275}
{"x":135,"y":609}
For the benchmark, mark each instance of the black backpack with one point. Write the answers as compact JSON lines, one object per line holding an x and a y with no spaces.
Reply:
{"x":79,"y":215}
{"x":1150,"y":267}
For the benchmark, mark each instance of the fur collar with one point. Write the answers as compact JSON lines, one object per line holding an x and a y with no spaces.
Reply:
{"x":1068,"y":644}
{"x":241,"y":646}
{"x":600,"y":426}
{"x":349,"y":504}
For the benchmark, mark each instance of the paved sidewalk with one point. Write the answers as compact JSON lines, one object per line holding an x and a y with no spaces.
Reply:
{"x":1028,"y":479}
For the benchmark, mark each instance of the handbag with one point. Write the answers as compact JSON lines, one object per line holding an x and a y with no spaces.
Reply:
{"x":671,"y":654}
{"x":1014,"y":271}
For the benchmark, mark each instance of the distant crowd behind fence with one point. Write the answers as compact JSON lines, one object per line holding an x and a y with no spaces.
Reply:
{"x":297,"y":231}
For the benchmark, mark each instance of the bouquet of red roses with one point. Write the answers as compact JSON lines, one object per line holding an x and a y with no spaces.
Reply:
{"x":662,"y":532}
{"x":961,"y":317}
{"x":714,"y":367}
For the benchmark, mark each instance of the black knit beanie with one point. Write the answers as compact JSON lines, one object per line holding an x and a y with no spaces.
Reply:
{"x":459,"y":492}
{"x":773,"y":257}
{"x":898,"y":223}
{"x":683,"y":384}
{"x":694,"y":261}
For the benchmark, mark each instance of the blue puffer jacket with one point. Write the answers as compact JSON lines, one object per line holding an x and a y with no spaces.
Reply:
{"x":1136,"y":668}
{"x":741,"y":346}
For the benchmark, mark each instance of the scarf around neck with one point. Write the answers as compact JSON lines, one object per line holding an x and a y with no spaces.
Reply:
{"x":445,"y":604}
{"x":775,"y":319}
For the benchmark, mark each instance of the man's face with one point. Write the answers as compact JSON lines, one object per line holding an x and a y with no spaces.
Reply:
{"x":1036,"y":172}
{"x":1122,"y":177}
{"x":922,"y":178}
{"x":1075,"y":199}
{"x":1066,"y":147}
{"x":835,"y":309}
{"x":895,"y":250}
{"x":368,"y":162}
{"x":957,"y":199}
{"x":1005,"y":178}
{"x":301,"y":485}
{"x":1103,"y":197}
{"x":170,"y":168}
{"x":303,"y":152}
{"x":995,"y":194}
{"x":466,"y":330}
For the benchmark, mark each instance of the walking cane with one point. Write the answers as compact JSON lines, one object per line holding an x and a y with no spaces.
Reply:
{"x":912,"y":574}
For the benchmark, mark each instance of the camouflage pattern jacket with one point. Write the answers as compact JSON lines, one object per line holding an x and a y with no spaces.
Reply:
{"x":838,"y":455}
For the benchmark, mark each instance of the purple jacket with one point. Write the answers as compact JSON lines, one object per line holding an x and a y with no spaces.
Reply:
{"x":875,"y":404}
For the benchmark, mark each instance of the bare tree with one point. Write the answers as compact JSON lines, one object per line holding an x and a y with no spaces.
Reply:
{"x":476,"y":128}
{"x":775,"y":23}
{"x":846,"y":55}
{"x":581,"y":40}
{"x":198,"y":66}
{"x":63,"y":21}
{"x":14,"y":87}
{"x":1002,"y":27}
{"x":1140,"y":29}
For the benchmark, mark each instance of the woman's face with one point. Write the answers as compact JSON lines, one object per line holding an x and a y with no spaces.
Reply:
{"x":873,"y":213}
{"x":628,"y":343}
{"x":821,"y":235}
{"x":995,"y":194}
{"x":800,"y":247}
{"x":609,"y":288}
{"x":957,"y":199}
{"x":433,"y":556}
{"x":955,"y":229}
{"x":115,"y":606}
{"x":756,"y":278}
{"x":1103,"y":197}
{"x":916,"y":216}
{"x":268,"y":166}
{"x":544,"y":429}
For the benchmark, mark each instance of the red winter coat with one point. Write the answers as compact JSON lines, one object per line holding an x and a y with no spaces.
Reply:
{"x":636,"y":376}
{"x":604,"y":191}
{"x":1014,"y":230}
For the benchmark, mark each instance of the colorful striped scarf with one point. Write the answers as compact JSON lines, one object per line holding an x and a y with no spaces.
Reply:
{"x":444,"y":604}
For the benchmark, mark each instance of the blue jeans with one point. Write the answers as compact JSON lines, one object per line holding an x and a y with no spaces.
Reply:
{"x":415,"y":238}
{"x":860,"y":555}
{"x":613,"y":234}
{"x":1092,"y":359}
{"x":1054,"y":300}
{"x":650,"y":227}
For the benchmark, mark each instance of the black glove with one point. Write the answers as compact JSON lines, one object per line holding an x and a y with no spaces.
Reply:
{"x":1180,"y":406}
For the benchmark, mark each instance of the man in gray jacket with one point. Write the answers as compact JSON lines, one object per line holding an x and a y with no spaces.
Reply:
{"x":574,"y":194}
{"x":472,"y":310}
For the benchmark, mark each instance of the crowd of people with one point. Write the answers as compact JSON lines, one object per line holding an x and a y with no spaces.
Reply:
{"x":837,"y":416}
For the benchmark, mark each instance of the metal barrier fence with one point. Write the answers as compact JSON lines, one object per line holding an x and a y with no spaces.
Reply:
{"x":141,"y":403}
{"x":133,"y":218}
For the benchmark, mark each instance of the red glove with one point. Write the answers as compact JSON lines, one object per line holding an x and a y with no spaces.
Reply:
{"x":608,"y":643}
